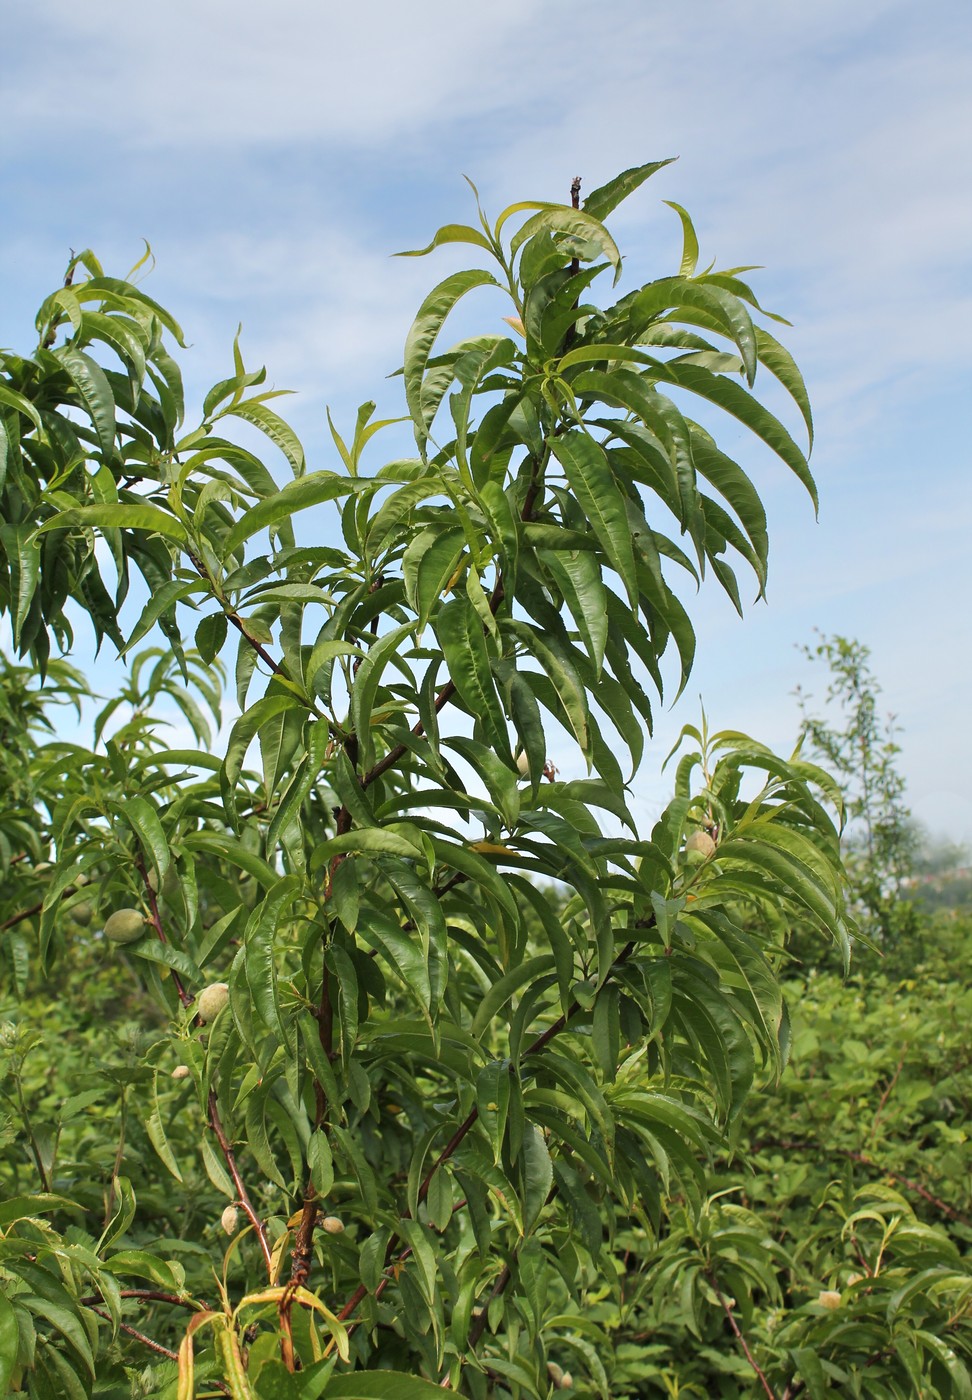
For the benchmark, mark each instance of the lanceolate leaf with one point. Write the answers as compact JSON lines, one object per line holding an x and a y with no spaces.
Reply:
{"x":422,"y":336}
{"x":297,"y":495}
{"x":463,"y":643}
{"x":588,"y":472}
{"x":607,"y":197}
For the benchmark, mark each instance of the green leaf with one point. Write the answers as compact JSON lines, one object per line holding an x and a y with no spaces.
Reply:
{"x":576,"y":224}
{"x":422,"y":336}
{"x":463,"y":644}
{"x":210,"y":636}
{"x":505,"y":987}
{"x":429,"y":565}
{"x":23,"y":561}
{"x":94,"y":391}
{"x":563,"y":676}
{"x":11,"y":399}
{"x":690,"y":244}
{"x":588,"y":471}
{"x":306,"y":491}
{"x":270,"y":423}
{"x":118,"y":517}
{"x":155,"y":1129}
{"x":366,"y":687}
{"x":161,"y":601}
{"x":602,"y":201}
{"x":260,"y":962}
{"x":23,"y":1207}
{"x":9,"y":1341}
{"x":749,"y":411}
{"x":382,"y":1385}
{"x":242,"y":735}
{"x":306,"y":775}
{"x":451,"y":233}
{"x":144,"y":821}
{"x":578,"y":576}
{"x":781,"y":363}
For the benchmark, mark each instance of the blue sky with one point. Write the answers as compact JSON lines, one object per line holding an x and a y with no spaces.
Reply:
{"x":275,"y":157}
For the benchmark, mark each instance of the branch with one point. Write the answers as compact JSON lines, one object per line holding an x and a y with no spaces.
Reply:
{"x":731,"y":1317}
{"x":156,"y":923}
{"x":146,"y":1295}
{"x":215,"y":1122}
{"x":498,"y":1288}
{"x":886,"y":1095}
{"x":786,"y":1145}
{"x":467,"y":1124}
{"x":19,"y":918}
{"x":141,"y":1337}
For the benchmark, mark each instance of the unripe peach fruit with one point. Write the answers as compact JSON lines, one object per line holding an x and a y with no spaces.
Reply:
{"x":211,"y":1001}
{"x":124,"y":926}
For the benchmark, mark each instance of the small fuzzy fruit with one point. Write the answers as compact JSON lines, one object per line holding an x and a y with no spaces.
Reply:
{"x":556,"y":1373}
{"x":81,"y":879}
{"x":180,"y":1072}
{"x":211,"y":1001}
{"x":523,"y":764}
{"x":829,"y":1298}
{"x":124,"y":926}
{"x":700,"y":842}
{"x":229,"y":1218}
{"x":82,"y":914}
{"x":41,"y":867}
{"x":333,"y":1225}
{"x":153,"y":881}
{"x":566,"y":1381}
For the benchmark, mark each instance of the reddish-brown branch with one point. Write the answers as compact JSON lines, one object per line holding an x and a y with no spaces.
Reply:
{"x":156,"y":922}
{"x":399,"y":751}
{"x":19,"y":918}
{"x":226,"y":1147}
{"x":887,"y":1094}
{"x":147,"y":1295}
{"x":141,"y":1337}
{"x":498,"y":1288}
{"x":862,"y":1158}
{"x":261,"y":651}
{"x":740,"y":1338}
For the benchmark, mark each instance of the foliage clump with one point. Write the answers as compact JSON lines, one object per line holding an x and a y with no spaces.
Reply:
{"x":437,"y":1100}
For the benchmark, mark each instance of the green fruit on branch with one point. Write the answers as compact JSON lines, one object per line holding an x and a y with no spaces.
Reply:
{"x":82,"y":914}
{"x":180,"y":1072}
{"x":211,"y":1001}
{"x":700,"y":843}
{"x":228,"y":1219}
{"x":125,"y":926}
{"x":333,"y":1225}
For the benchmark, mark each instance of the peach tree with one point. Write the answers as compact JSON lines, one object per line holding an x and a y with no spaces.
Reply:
{"x":422,"y":1019}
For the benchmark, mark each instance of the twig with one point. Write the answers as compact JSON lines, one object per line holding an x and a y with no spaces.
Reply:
{"x":140,"y":1337}
{"x":886,"y":1095}
{"x":468,"y":1122}
{"x":146,"y":1295}
{"x":156,"y":922}
{"x":498,"y":1288}
{"x":737,"y":1332}
{"x":19,"y":918}
{"x":226,"y":1147}
{"x":787,"y":1145}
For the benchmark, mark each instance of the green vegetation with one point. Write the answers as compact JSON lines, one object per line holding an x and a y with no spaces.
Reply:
{"x":349,"y":1054}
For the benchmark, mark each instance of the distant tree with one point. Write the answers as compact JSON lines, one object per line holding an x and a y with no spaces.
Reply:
{"x":859,"y":746}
